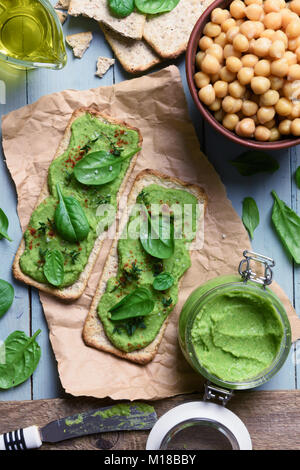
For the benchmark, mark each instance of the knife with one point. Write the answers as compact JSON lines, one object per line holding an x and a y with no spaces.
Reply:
{"x":121,"y":417}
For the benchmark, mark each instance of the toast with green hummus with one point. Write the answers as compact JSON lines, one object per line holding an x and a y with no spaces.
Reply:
{"x":91,"y":167}
{"x":140,"y":283}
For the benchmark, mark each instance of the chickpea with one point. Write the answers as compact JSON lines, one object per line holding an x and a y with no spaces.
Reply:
{"x":271,"y":5}
{"x":250,"y":2}
{"x":283,"y":107}
{"x":216,"y":51}
{"x":237,"y":9}
{"x":240,"y":43}
{"x":292,"y":45}
{"x":245,"y":75}
{"x":295,"y":113}
{"x":205,"y":42}
{"x":226,"y":75}
{"x":295,"y":6}
{"x":218,"y":15}
{"x":297,"y":53}
{"x":281,"y":36}
{"x":211,"y":29}
{"x":285,"y":127}
{"x":265,"y":114}
{"x":231,"y":33}
{"x":293,"y":29}
{"x":260,"y":85}
{"x":233,"y":64}
{"x":276,"y":82}
{"x":259,"y":28}
{"x":214,"y":77}
{"x":254,"y":12}
{"x":231,"y":105}
{"x":279,"y":67}
{"x":245,"y":128}
{"x":216,"y":105}
{"x":261,"y":47}
{"x":248,"y":29}
{"x":262,"y":133}
{"x":207,"y":95}
{"x":201,"y":79}
{"x":230,"y":51}
{"x":290,"y":57}
{"x":262,"y":68}
{"x":219,"y":115}
{"x":286,"y":17}
{"x":268,"y":33}
{"x":295,"y":127}
{"x":210,"y":64}
{"x":249,"y":60}
{"x":221,"y":40}
{"x":269,"y":98}
{"x":277,"y":49}
{"x":227,"y":24}
{"x":270,"y":124}
{"x":249,"y":108}
{"x":287,"y":90}
{"x":273,"y":20}
{"x":294,"y":72}
{"x":236,"y":89}
{"x":275,"y":134}
{"x":199,"y":57}
{"x":221,"y":88}
{"x":230,"y":121}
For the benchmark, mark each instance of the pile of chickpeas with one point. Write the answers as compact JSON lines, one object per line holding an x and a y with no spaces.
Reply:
{"x":249,"y":68}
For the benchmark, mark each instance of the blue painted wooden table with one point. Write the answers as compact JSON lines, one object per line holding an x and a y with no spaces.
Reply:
{"x":23,"y":87}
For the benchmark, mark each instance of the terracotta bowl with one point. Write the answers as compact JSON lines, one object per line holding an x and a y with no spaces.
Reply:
{"x":192,"y":50}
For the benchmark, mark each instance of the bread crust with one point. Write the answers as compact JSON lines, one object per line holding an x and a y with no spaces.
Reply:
{"x":93,"y":332}
{"x":74,"y":291}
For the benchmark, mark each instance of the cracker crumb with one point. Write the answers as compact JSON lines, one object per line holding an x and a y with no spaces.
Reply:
{"x":79,"y":43}
{"x":103,"y":64}
{"x":63,"y":4}
{"x":62,"y":16}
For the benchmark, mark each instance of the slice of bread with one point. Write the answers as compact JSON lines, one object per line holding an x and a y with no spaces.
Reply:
{"x":74,"y":291}
{"x":93,"y":331}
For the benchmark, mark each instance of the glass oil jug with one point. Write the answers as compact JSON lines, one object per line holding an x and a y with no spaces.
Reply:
{"x":31,"y":34}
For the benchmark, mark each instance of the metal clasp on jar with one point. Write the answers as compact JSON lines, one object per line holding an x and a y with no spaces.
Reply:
{"x":247,"y":273}
{"x":220,"y":395}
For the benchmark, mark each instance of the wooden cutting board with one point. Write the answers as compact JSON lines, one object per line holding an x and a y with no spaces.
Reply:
{"x":272,"y":419}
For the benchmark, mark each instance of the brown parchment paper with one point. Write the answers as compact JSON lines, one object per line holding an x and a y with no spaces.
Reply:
{"x":156,"y":105}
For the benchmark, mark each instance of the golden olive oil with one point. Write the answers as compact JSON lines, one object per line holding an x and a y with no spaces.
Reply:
{"x":30,"y":32}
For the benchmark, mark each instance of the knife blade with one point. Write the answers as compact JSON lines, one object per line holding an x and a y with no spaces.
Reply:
{"x":121,"y":417}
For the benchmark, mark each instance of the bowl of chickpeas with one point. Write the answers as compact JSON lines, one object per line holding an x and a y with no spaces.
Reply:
{"x":243,"y":70}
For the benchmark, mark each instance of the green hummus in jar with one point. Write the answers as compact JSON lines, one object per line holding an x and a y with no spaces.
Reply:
{"x":236,"y":335}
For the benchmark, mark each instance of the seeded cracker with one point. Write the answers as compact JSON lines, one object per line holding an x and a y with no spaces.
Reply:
{"x":79,"y":43}
{"x":103,"y":64}
{"x":134,"y":56}
{"x":63,"y":4}
{"x":61,"y":16}
{"x":131,"y":27}
{"x":169,"y":33}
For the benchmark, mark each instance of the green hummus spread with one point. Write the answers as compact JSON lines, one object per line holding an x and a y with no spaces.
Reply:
{"x":87,"y":134}
{"x":136,"y":269}
{"x":236,"y":335}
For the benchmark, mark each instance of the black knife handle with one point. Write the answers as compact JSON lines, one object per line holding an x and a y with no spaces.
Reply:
{"x":21,"y":439}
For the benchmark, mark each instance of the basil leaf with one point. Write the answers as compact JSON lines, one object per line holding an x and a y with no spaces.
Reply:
{"x":22,"y":355}
{"x":54,"y":267}
{"x":157,"y":241}
{"x":121,"y":8}
{"x":7,"y":294}
{"x":138,"y":303}
{"x":253,"y":162}
{"x":287,"y":225}
{"x":3,"y":226}
{"x":155,"y":6}
{"x":297,"y":177}
{"x":70,"y":219}
{"x":163,"y":281}
{"x":250,"y":216}
{"x":101,"y":167}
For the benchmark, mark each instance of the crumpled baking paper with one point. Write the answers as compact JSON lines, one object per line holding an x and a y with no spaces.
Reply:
{"x":156,"y":105}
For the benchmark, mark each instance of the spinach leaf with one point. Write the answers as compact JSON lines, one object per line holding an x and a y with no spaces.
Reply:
{"x":157,"y":239}
{"x":70,"y":219}
{"x":54,"y":267}
{"x":297,"y":177}
{"x":121,"y":8}
{"x":7,"y":294}
{"x":252,"y":162}
{"x":101,"y":167}
{"x":22,"y":355}
{"x":163,"y":281}
{"x":3,"y":226}
{"x":250,"y":216}
{"x":138,"y":303}
{"x":287,"y":225}
{"x":155,"y":6}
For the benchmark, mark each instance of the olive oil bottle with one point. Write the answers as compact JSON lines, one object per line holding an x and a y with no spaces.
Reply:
{"x":31,"y":34}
